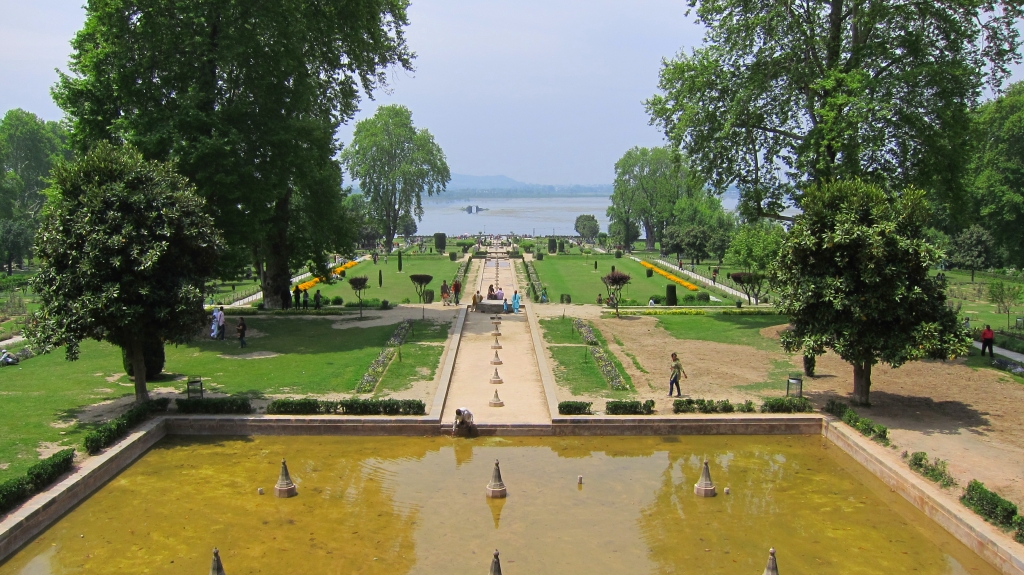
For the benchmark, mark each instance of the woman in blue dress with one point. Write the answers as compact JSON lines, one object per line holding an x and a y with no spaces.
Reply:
{"x":515,"y":301}
{"x":504,"y":305}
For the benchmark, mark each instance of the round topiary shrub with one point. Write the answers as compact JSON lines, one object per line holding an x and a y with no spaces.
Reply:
{"x":540,"y":256}
{"x":689,"y":298}
{"x":703,"y":296}
{"x":337,"y":300}
{"x":453,"y":256}
{"x":650,"y":273}
{"x":618,"y":253}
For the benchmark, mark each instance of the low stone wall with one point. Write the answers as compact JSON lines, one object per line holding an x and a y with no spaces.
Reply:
{"x":300,"y":425}
{"x":991,"y":544}
{"x":35,"y":515}
{"x":776,"y":424}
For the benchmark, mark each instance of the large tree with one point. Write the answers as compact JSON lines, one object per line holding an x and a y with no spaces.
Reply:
{"x":854,"y":276}
{"x":28,"y":148}
{"x":997,"y":174}
{"x":972,"y":249}
{"x":587,"y":227}
{"x":698,"y":224}
{"x":648,"y":182}
{"x":246,"y":97}
{"x":755,"y":248}
{"x":395,"y":164}
{"x":787,"y":93}
{"x":125,"y":248}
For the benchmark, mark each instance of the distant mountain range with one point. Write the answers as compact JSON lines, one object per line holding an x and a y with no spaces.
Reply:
{"x":463,"y":185}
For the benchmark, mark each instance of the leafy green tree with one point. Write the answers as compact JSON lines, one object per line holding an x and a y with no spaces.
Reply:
{"x":784,"y":94}
{"x":853,"y":276}
{"x":1005,"y":296}
{"x":648,"y":182}
{"x":587,"y":227}
{"x":972,"y":249}
{"x":125,"y":248}
{"x":614,"y":282}
{"x":29,"y":146}
{"x":755,"y":248}
{"x":15,"y":240}
{"x":997,"y":170}
{"x":246,"y":99}
{"x":395,"y":164}
{"x":623,"y":232}
{"x":698,"y":223}
{"x":407,"y":226}
{"x":359,"y":285}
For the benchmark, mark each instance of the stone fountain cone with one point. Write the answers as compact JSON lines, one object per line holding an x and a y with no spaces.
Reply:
{"x":771,"y":568}
{"x":495,"y":565}
{"x":496,"y":401}
{"x":495,"y":333}
{"x":216,"y":568}
{"x":496,"y":345}
{"x":285,"y":487}
{"x":496,"y":488}
{"x":496,"y":360}
{"x":704,"y":487}
{"x":496,"y":378}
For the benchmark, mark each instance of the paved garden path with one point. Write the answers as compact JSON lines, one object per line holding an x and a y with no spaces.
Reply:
{"x":522,"y":390}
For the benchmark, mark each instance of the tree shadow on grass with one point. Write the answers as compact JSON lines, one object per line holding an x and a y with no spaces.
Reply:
{"x":915,"y":413}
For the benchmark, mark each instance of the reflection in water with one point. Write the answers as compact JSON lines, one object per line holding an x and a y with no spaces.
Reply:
{"x":417,"y":505}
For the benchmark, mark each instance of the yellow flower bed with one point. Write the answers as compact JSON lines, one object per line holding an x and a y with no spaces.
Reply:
{"x":670,"y":277}
{"x":307,"y":285}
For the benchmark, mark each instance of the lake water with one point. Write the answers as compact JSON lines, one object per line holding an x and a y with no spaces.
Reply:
{"x":533,"y":216}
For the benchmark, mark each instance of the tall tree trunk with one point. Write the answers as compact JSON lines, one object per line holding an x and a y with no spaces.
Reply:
{"x":861,"y":383}
{"x":649,"y":236}
{"x":277,"y":272}
{"x":139,"y":369}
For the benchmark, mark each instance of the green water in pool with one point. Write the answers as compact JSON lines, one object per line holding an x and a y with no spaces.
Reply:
{"x":396,"y":505}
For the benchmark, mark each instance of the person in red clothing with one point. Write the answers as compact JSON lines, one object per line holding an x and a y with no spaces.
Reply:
{"x":988,"y":337}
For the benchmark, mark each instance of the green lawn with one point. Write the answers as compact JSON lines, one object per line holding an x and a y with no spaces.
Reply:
{"x":421,"y":355}
{"x":397,"y":286}
{"x":575,"y":275}
{"x":575,"y":368}
{"x":314,"y":358}
{"x":735,"y":329}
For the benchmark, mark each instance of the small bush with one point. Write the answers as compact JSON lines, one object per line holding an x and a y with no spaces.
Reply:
{"x":786,"y":405}
{"x":337,"y":300}
{"x":658,"y":299}
{"x":42,"y":474}
{"x":684,"y":406}
{"x":703,"y":296}
{"x":574,"y":407}
{"x":539,"y":256}
{"x":629,"y":407}
{"x":305,"y":406}
{"x":215,"y":405}
{"x":707,"y":406}
{"x":381,"y":407}
{"x":453,"y":256}
{"x":937,"y":471}
{"x":650,"y":273}
{"x":689,"y":298}
{"x":385,"y":304}
{"x":746,"y":407}
{"x":989,"y":505}
{"x":13,"y":492}
{"x":370,"y":302}
{"x":618,"y":253}
{"x":118,"y":427}
{"x":670,"y":295}
{"x":864,"y":425}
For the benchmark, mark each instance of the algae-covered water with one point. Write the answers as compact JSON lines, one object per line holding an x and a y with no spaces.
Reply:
{"x":394,"y":505}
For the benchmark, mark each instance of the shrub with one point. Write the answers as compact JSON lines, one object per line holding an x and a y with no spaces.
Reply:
{"x":428,"y":296}
{"x":616,"y":407}
{"x":369,"y":302}
{"x":440,"y":242}
{"x":650,"y":273}
{"x":539,"y":256}
{"x":689,"y":298}
{"x":118,"y":427}
{"x":746,"y":407}
{"x":706,"y":406}
{"x":385,"y":304}
{"x":453,"y":256}
{"x":574,"y":407}
{"x":13,"y":492}
{"x":670,"y":295}
{"x":305,"y":406}
{"x":618,"y":253}
{"x":561,"y":246}
{"x":658,"y":299}
{"x":552,"y":245}
{"x":684,"y":406}
{"x":564,"y":298}
{"x":215,"y":405}
{"x":748,"y":311}
{"x":786,"y":405}
{"x":381,"y":407}
{"x":989,"y":505}
{"x":42,"y":474}
{"x":937,"y":471}
{"x":703,"y":296}
{"x":337,"y":300}
{"x":864,"y":425}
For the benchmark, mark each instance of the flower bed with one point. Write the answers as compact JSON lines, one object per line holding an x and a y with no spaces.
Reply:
{"x":380,"y":365}
{"x":585,"y":331}
{"x":670,"y":277}
{"x":309,"y":284}
{"x":608,"y":370}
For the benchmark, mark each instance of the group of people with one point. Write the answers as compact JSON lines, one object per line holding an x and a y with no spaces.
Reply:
{"x":217,"y":327}
{"x":498,"y":294}
{"x":299,"y":299}
{"x":451,"y":293}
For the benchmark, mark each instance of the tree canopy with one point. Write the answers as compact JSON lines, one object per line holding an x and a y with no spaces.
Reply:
{"x":648,"y":182}
{"x":587,"y":227}
{"x":755,"y":248}
{"x":854,"y":276}
{"x":246,"y":99}
{"x":125,"y":248}
{"x":699,"y":227}
{"x":972,"y":249}
{"x":395,"y":163}
{"x":784,"y":94}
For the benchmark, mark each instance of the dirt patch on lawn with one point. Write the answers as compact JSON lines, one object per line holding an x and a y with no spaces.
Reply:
{"x":48,"y":448}
{"x":253,"y":355}
{"x":773,"y":331}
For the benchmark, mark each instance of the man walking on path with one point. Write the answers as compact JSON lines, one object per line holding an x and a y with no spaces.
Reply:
{"x":988,"y":337}
{"x":673,"y":380}
{"x":220,"y":324}
{"x":241,"y":331}
{"x":316,"y":300}
{"x":297,"y":293}
{"x":456,"y":290}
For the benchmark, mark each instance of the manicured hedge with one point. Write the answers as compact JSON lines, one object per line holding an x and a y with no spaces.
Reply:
{"x":989,"y":504}
{"x":36,"y":479}
{"x":786,"y":405}
{"x":864,"y":425}
{"x":710,"y":406}
{"x":215,"y":405}
{"x":115,"y":429}
{"x":629,"y":407}
{"x":574,"y":407}
{"x":309,"y":406}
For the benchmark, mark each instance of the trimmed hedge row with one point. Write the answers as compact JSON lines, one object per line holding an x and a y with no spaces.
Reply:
{"x":37,"y":478}
{"x":865,"y":426}
{"x":711,"y":406}
{"x":786,"y":405}
{"x":115,"y":429}
{"x":214,"y":405}
{"x":993,"y":508}
{"x":309,"y":406}
{"x":629,"y":407}
{"x":574,"y":407}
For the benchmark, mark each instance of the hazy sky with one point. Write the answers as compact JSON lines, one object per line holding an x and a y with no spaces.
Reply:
{"x":543,"y":91}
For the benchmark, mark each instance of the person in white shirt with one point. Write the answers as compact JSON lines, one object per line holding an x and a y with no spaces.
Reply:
{"x":650,"y":303}
{"x":463,"y":420}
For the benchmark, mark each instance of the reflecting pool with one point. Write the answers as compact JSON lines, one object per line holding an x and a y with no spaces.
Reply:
{"x":397,"y":505}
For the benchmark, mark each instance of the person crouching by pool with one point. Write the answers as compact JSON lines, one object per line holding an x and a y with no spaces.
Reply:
{"x":673,"y":380}
{"x":463,"y":424}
